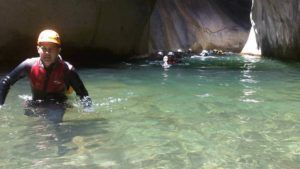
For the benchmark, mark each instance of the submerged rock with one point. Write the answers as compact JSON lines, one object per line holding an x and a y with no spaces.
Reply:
{"x":79,"y":142}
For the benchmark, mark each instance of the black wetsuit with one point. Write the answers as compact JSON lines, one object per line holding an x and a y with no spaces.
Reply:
{"x":31,"y":68}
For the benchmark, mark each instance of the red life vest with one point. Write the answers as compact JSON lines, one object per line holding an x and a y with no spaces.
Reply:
{"x":54,"y":83}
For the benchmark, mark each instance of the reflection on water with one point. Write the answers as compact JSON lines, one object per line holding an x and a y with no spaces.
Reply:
{"x":212,"y":112}
{"x":248,"y":80}
{"x":165,"y":76}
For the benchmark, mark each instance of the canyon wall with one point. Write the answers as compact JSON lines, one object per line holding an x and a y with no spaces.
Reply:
{"x":101,"y":29}
{"x":277,"y":27}
{"x":118,"y":29}
{"x":200,"y":24}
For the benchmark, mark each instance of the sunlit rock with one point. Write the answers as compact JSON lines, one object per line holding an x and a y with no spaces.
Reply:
{"x":251,"y":47}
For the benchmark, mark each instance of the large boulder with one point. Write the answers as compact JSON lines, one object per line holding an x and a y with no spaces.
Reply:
{"x":277,"y":27}
{"x":200,"y":24}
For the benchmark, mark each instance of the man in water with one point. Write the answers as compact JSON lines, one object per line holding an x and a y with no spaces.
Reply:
{"x":165,"y":64}
{"x":50,"y":78}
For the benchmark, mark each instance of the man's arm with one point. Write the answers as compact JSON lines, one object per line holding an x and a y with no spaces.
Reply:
{"x":77,"y":84}
{"x":10,"y":79}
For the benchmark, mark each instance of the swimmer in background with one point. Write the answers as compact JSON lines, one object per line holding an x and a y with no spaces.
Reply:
{"x":165,"y":64}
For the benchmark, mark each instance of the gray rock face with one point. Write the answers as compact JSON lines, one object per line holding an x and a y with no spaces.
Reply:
{"x":112,"y":27}
{"x":277,"y":23}
{"x":131,"y":27}
{"x":200,"y":24}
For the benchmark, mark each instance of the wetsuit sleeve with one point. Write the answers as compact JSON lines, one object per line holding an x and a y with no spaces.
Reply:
{"x":79,"y":88}
{"x":10,"y":79}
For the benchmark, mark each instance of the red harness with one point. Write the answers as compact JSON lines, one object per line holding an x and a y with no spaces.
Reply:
{"x":53,"y":82}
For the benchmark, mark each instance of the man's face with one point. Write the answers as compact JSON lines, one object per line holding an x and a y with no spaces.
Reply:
{"x":48,"y":52}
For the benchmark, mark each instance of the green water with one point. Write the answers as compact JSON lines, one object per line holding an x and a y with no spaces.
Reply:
{"x":217,"y":112}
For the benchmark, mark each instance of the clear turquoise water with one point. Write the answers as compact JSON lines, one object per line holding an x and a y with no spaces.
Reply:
{"x":216,"y":112}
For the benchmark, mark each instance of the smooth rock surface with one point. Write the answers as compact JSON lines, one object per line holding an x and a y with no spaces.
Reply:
{"x":99,"y":30}
{"x":200,"y":24}
{"x":278,"y":27}
{"x":107,"y":27}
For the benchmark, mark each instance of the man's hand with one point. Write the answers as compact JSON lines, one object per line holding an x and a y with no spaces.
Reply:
{"x":87,"y":104}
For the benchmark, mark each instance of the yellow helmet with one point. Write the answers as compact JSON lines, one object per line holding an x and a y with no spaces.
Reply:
{"x":49,"y":36}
